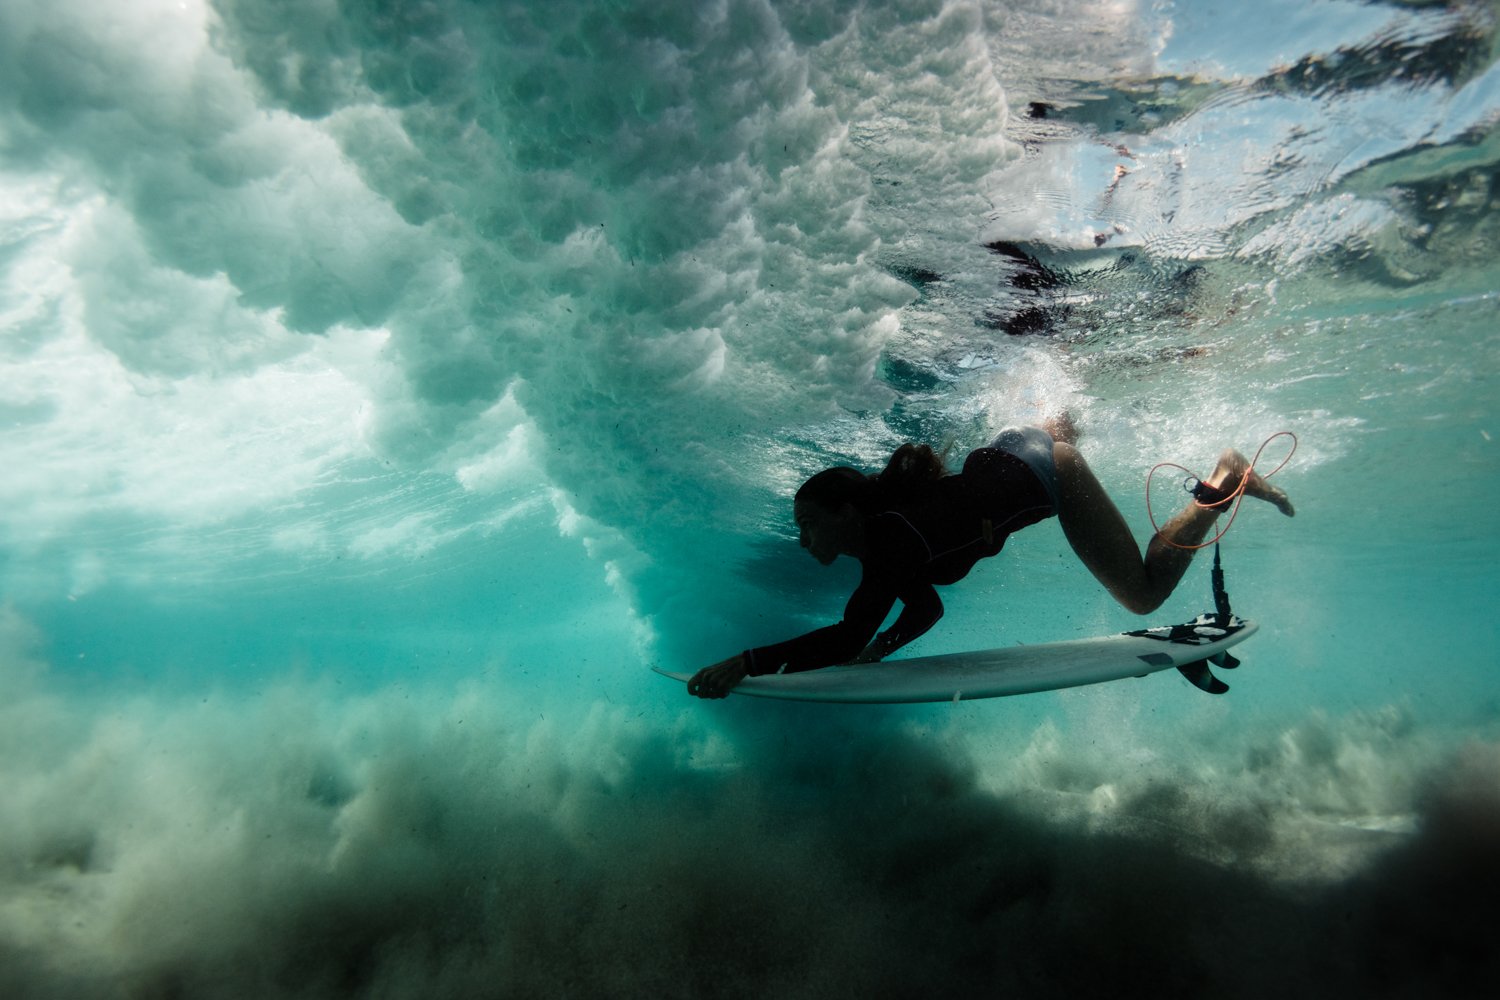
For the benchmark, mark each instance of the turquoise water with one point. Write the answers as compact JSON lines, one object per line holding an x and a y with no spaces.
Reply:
{"x":385,"y":387}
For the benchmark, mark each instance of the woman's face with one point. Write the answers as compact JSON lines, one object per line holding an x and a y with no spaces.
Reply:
{"x":823,"y":534}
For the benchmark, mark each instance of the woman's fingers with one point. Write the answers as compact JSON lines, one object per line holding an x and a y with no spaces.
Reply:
{"x":715,"y":681}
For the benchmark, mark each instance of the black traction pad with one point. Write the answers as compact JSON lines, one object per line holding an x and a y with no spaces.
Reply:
{"x":1199,"y":632}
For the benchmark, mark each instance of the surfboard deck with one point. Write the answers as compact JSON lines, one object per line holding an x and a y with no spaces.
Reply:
{"x":1011,"y":670}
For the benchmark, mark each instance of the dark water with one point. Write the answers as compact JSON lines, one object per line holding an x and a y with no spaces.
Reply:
{"x":384,"y":387}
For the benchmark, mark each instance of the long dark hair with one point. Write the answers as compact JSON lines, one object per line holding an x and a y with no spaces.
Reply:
{"x":912,"y":468}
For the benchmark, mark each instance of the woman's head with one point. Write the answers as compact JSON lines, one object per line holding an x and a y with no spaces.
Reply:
{"x":911,"y":468}
{"x":830,"y":508}
{"x":832,"y":488}
{"x":830,"y":512}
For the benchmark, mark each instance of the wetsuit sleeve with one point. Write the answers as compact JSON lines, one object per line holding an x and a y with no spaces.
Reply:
{"x":840,"y":643}
{"x":921,"y":609}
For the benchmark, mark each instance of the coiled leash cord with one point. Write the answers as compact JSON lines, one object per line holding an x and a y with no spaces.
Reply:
{"x":1214,"y":498}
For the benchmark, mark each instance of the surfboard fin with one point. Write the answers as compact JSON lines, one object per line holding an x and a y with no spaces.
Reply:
{"x":1202,"y":678}
{"x":1224,"y":660}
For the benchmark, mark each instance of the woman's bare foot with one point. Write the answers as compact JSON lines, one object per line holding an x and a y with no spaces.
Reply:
{"x":1062,"y":428}
{"x":1231,"y":469}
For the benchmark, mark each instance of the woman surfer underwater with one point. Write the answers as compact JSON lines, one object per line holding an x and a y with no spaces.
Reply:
{"x":914,"y":526}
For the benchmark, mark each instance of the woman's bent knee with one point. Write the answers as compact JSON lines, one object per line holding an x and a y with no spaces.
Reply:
{"x":1138,"y":604}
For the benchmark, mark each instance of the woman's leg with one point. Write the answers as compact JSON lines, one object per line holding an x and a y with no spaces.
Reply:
{"x":1102,"y":539}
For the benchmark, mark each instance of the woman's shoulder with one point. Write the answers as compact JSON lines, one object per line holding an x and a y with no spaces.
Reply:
{"x":893,"y":537}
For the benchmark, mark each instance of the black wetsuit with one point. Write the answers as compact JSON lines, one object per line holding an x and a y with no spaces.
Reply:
{"x":958,"y":521}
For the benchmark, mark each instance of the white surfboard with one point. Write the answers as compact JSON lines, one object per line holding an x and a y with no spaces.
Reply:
{"x":995,"y":673}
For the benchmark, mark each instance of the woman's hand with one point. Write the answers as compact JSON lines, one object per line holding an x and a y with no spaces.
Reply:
{"x":876,"y":651}
{"x":717,"y":680}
